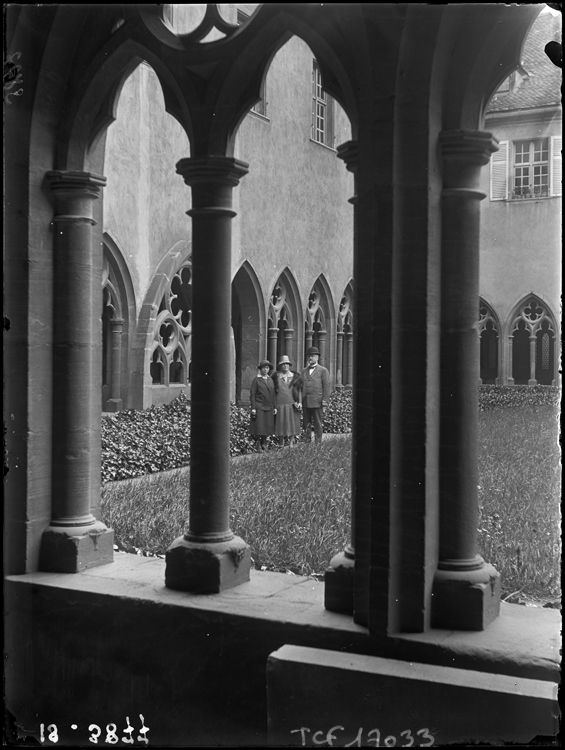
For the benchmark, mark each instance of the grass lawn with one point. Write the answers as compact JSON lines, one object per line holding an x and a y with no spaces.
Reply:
{"x":293,"y":505}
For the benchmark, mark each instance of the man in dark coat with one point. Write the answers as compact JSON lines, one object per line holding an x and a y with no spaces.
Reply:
{"x":315,"y":394}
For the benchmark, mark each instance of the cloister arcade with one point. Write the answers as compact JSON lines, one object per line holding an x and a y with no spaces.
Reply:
{"x":411,"y":585}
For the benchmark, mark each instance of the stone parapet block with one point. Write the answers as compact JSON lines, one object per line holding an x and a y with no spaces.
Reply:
{"x":321,"y":697}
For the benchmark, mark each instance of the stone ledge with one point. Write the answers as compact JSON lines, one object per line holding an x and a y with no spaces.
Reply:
{"x":523,"y":641}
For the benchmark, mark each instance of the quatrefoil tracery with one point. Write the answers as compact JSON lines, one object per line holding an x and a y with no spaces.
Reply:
{"x":532,"y":316}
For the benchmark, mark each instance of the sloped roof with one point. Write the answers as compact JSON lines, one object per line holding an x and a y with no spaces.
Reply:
{"x":541,"y":87}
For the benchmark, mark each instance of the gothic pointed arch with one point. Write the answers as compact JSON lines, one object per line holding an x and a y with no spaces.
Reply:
{"x":284,"y":320}
{"x":96,"y":91}
{"x":319,"y":321}
{"x":118,"y":321}
{"x":248,"y":324}
{"x":489,"y":332}
{"x":532,"y":331}
{"x":164,"y":324}
{"x":344,"y":356}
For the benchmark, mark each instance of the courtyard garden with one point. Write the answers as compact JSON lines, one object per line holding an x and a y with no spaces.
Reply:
{"x":292,"y":506}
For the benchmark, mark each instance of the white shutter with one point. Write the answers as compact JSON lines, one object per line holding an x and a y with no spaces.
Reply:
{"x":556,"y":170}
{"x":499,"y":173}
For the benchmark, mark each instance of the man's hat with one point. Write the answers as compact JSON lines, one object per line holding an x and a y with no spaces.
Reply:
{"x":284,"y":360}
{"x":312,"y":350}
{"x":263,"y":363}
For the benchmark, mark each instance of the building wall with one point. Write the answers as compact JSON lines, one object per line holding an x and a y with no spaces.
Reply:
{"x":145,"y":200}
{"x":520,"y":239}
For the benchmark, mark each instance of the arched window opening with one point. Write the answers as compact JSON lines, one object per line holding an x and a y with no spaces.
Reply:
{"x":282,"y":314}
{"x":112,"y":344}
{"x":157,"y":368}
{"x":545,"y":349}
{"x":344,"y":357}
{"x":521,"y":354}
{"x":107,"y":315}
{"x":533,"y":344}
{"x":489,"y":334}
{"x":176,"y":368}
{"x":316,"y":322}
{"x":173,"y":330}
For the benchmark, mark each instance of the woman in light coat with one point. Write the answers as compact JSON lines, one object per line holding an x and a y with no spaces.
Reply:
{"x":288,"y":386}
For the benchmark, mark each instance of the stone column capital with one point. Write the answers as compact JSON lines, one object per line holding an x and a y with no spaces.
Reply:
{"x":475,"y":145}
{"x":464,"y":153}
{"x":349,"y":153}
{"x":74,"y":193}
{"x":68,"y":181}
{"x":224,"y":170}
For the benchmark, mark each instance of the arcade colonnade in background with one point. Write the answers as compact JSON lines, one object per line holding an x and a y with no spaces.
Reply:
{"x":259,"y":329}
{"x":416,"y":152}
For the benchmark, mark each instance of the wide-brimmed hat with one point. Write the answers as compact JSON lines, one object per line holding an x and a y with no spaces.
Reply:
{"x":263,"y":363}
{"x":284,"y":360}
{"x":312,"y":350}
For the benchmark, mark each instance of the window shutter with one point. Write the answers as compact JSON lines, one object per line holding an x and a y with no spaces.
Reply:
{"x":499,"y":173}
{"x":556,"y":169}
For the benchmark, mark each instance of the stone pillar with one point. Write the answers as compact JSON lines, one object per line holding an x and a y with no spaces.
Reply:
{"x":308,"y":334}
{"x":339,"y":580}
{"x":339,"y":361}
{"x":509,"y":361}
{"x":272,"y":346}
{"x":466,"y":590}
{"x":74,"y":540}
{"x":114,"y":403}
{"x":288,"y":334}
{"x":532,"y":380}
{"x":209,"y":557}
{"x":322,"y":341}
{"x":349,"y":344}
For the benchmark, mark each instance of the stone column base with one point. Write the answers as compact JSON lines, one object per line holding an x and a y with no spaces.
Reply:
{"x":70,"y":550}
{"x":207,"y":567}
{"x":338,"y":584}
{"x":113,"y":404}
{"x":467,"y":600}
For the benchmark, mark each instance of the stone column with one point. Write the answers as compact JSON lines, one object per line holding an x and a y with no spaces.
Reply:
{"x":209,"y":557}
{"x":272,"y":346}
{"x":74,"y":540}
{"x":288,"y":333}
{"x":339,"y":361}
{"x":114,"y":403}
{"x":349,"y":344}
{"x":339,"y":580}
{"x":322,"y":340}
{"x":308,"y":334}
{"x":532,"y":380}
{"x":509,"y":361}
{"x":466,"y":590}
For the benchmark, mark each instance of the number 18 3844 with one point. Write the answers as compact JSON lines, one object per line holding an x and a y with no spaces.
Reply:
{"x":110,"y":735}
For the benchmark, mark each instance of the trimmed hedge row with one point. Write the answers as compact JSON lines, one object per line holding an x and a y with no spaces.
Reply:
{"x":135,"y":443}
{"x":497,"y":396}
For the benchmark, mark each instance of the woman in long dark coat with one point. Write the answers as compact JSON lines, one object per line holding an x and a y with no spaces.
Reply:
{"x":263,"y":405}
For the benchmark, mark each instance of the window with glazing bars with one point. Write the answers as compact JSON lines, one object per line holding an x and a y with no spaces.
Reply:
{"x":322,"y":111}
{"x":531,"y":169}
